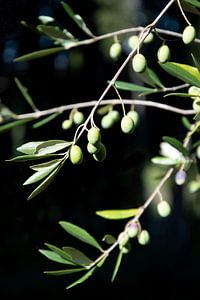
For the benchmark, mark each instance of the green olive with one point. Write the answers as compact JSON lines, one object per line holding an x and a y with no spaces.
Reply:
{"x":189,"y":34}
{"x":143,"y":237}
{"x":94,"y":135}
{"x":93,"y":149}
{"x":163,"y":54}
{"x":75,"y":155}
{"x":133,"y":114}
{"x":196,"y":105}
{"x":139,"y":63}
{"x":115,"y":50}
{"x":194,"y":91}
{"x":149,"y":38}
{"x":133,"y":229}
{"x":123,"y":239}
{"x":180,"y":177}
{"x":115,"y":115}
{"x":127,"y":125}
{"x":133,"y":41}
{"x":163,"y":209}
{"x":66,"y":124}
{"x":101,"y":154}
{"x":107,"y":121}
{"x":78,"y":118}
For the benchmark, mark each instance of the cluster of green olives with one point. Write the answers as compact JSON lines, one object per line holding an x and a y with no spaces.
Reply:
{"x":76,"y":117}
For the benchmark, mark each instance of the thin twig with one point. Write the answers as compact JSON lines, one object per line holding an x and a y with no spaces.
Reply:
{"x":182,"y":12}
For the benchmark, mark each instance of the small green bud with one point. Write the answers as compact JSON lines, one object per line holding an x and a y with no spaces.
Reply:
{"x":94,"y":135}
{"x":115,"y":50}
{"x":163,"y":209}
{"x":163,"y":54}
{"x":143,"y":237}
{"x":107,"y":121}
{"x":123,"y":239}
{"x":115,"y":115}
{"x":101,"y":154}
{"x":133,"y":114}
{"x":139,"y":63}
{"x":75,"y":155}
{"x":180,"y":177}
{"x":127,"y":125}
{"x":78,"y":118}
{"x":189,"y":34}
{"x":149,"y":38}
{"x":93,"y":149}
{"x":67,"y":124}
{"x":133,"y":41}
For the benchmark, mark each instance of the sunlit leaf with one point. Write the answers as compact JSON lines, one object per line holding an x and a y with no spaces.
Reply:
{"x":38,"y":54}
{"x":82,"y":279}
{"x":45,"y":120}
{"x":54,"y":257}
{"x":118,"y":214}
{"x":80,"y":234}
{"x":13,"y":124}
{"x":165,"y":161}
{"x":176,"y":144}
{"x":77,"y":256}
{"x":183,"y":72}
{"x":25,"y":93}
{"x":64,"y":272}
{"x":31,"y":157}
{"x":60,"y":252}
{"x":54,"y":32}
{"x":45,"y":165}
{"x":28,"y":148}
{"x":51,"y":146}
{"x":117,"y":265}
{"x":127,"y":86}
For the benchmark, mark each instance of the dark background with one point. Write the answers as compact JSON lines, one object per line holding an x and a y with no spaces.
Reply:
{"x":168,"y":268}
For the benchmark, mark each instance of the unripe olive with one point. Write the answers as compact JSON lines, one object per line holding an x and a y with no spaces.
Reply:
{"x":198,"y":152}
{"x":149,"y":38}
{"x":164,"y":209}
{"x":133,"y":229}
{"x":196,"y":105}
{"x":163,"y":54}
{"x":133,"y":41}
{"x":139,"y":63}
{"x":93,"y":149}
{"x":101,"y":154}
{"x":194,"y":186}
{"x":66,"y":124}
{"x":143,"y":237}
{"x":123,"y":249}
{"x":107,"y":121}
{"x":133,"y":114}
{"x":127,"y":125}
{"x":123,"y":239}
{"x":189,"y":34}
{"x":75,"y":155}
{"x":180,"y":177}
{"x":78,"y":117}
{"x":94,"y":135}
{"x":194,"y":90}
{"x":115,"y":115}
{"x":115,"y":50}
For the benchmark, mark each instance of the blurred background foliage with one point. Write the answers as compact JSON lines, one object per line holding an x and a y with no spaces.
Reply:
{"x":168,"y":267}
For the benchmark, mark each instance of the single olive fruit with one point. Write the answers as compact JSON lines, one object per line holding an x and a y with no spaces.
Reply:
{"x":75,"y":155}
{"x":143,"y":237}
{"x":115,"y":115}
{"x":107,"y":121}
{"x":149,"y":38}
{"x":115,"y":50}
{"x":78,"y":118}
{"x":163,"y":209}
{"x":180,"y":177}
{"x":196,"y":104}
{"x":133,"y":41}
{"x":101,"y":154}
{"x":123,"y":239}
{"x":127,"y":125}
{"x":94,"y":135}
{"x":93,"y":149}
{"x":133,"y":229}
{"x":194,"y":91}
{"x":189,"y":34}
{"x":133,"y":114}
{"x":66,"y":124}
{"x":139,"y":63}
{"x":163,"y":54}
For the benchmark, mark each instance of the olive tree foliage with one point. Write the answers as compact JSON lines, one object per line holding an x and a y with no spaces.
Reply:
{"x":177,"y":158}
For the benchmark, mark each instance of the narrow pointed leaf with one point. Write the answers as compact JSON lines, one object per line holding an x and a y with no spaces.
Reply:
{"x":117,"y":214}
{"x":154,"y":77}
{"x":184,"y":95}
{"x":117,"y":265}
{"x":30,"y":27}
{"x":82,"y":279}
{"x":60,"y":252}
{"x":176,"y":144}
{"x":80,"y":234}
{"x":127,"y":86}
{"x":45,"y":120}
{"x":54,"y":32}
{"x":186,"y":123}
{"x":31,"y":157}
{"x":77,"y":256}
{"x":51,"y":146}
{"x":44,"y":183}
{"x":183,"y":72}
{"x":109,"y":239}
{"x":196,"y":62}
{"x":165,"y":161}
{"x":45,"y":165}
{"x":29,"y":148}
{"x":54,"y":256}
{"x":149,"y":77}
{"x":64,"y":272}
{"x":13,"y":124}
{"x":25,"y":93}
{"x":38,"y":54}
{"x":195,"y":3}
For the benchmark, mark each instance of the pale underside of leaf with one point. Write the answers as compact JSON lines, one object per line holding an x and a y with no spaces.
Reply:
{"x":117,"y":214}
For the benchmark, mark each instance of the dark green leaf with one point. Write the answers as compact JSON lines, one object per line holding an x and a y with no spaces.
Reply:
{"x":25,"y":93}
{"x":51,"y":146}
{"x":29,"y":148}
{"x":176,"y":144}
{"x":80,"y":234}
{"x":165,"y":161}
{"x":149,"y":77}
{"x":126,"y":86}
{"x":193,"y":2}
{"x":55,"y":33}
{"x":183,"y":72}
{"x":83,"y":278}
{"x":109,"y":239}
{"x":54,"y":256}
{"x":196,"y":144}
{"x":38,"y":54}
{"x":13,"y":124}
{"x":77,"y":256}
{"x":196,"y":61}
{"x":31,"y":157}
{"x":186,"y":123}
{"x":184,"y":95}
{"x":117,"y":265}
{"x":45,"y":120}
{"x":61,"y":253}
{"x":64,"y":272}
{"x":117,"y":214}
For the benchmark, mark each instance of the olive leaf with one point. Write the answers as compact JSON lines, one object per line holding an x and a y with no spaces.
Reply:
{"x":51,"y":255}
{"x":29,"y":148}
{"x":13,"y":124}
{"x":64,"y":272}
{"x":30,"y":157}
{"x":117,"y":214}
{"x":77,"y":256}
{"x":176,"y":144}
{"x":45,"y":120}
{"x":127,"y":86}
{"x":109,"y":239}
{"x":83,"y":278}
{"x":55,"y":33}
{"x":6,"y":113}
{"x":38,"y":54}
{"x":61,"y":253}
{"x":117,"y":265}
{"x":165,"y":161}
{"x":151,"y":78}
{"x":193,"y":2}
{"x":51,"y":146}
{"x":25,"y":93}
